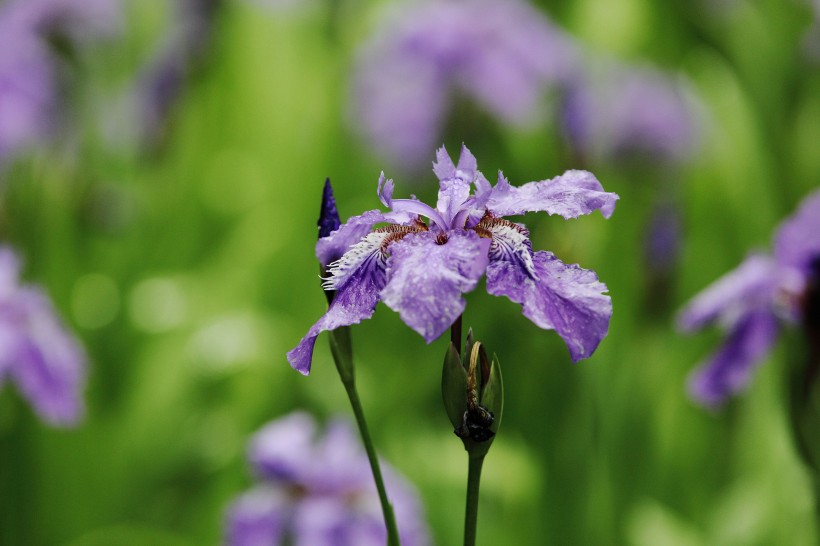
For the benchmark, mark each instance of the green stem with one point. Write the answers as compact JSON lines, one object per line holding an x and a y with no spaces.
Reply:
{"x":387,"y":509}
{"x":471,"y":512}
{"x":341,"y":347}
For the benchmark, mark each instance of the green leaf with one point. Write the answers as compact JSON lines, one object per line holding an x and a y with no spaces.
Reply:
{"x":454,"y":386}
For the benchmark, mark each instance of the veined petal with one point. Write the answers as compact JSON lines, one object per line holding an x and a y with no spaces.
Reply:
{"x":565,"y":298}
{"x":570,"y":195}
{"x":426,"y":279}
{"x":331,"y":248}
{"x":751,"y":285}
{"x":510,"y":242}
{"x":357,"y":277}
{"x":728,"y":371}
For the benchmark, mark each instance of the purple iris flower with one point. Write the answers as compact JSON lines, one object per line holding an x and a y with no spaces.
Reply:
{"x":29,"y":68}
{"x":626,"y":111}
{"x":749,"y":301}
{"x":36,"y":351}
{"x":427,"y":56}
{"x":421,"y":269}
{"x":318,"y":491}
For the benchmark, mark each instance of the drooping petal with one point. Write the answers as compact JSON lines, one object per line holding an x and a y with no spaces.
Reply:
{"x":751,"y":285}
{"x":570,"y":195}
{"x":426,"y":279}
{"x":357,"y":277}
{"x":565,"y":298}
{"x":260,"y":517}
{"x":728,"y":371}
{"x":797,"y":242}
{"x":49,"y":365}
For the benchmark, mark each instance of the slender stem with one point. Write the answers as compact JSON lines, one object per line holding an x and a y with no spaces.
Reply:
{"x":387,"y":509}
{"x":471,"y":512}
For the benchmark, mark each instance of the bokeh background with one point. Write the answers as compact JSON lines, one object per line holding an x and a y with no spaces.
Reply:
{"x":168,"y":206}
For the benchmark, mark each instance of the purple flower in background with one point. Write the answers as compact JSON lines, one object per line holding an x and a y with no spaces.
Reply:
{"x":748,"y":302}
{"x":36,"y":351}
{"x":318,"y":491}
{"x":29,"y":86}
{"x":619,"y":111}
{"x":163,"y":80}
{"x":421,"y":270}
{"x":427,"y":56}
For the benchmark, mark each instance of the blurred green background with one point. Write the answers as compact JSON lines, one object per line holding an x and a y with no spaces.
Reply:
{"x":188,"y":271}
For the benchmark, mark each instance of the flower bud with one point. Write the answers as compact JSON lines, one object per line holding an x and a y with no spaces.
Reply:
{"x":473,"y":395}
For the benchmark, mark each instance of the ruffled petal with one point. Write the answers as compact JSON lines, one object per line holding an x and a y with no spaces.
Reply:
{"x":564,"y":298}
{"x":357,"y":277}
{"x":797,"y":243}
{"x":751,"y":285}
{"x":570,"y":195}
{"x":426,"y":279}
{"x":729,"y":370}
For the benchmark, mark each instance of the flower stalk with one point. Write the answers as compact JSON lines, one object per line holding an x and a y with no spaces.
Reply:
{"x":341,"y":347}
{"x":473,"y":394}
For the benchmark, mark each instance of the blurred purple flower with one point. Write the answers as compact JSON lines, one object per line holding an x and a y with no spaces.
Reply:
{"x":318,"y":491}
{"x":748,"y":302}
{"x":427,"y":56}
{"x":161,"y":83}
{"x":617,"y":111}
{"x":421,"y":271}
{"x":36,"y":352}
{"x":29,"y":92}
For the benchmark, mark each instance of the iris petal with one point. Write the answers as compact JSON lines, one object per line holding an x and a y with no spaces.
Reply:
{"x":570,"y":195}
{"x":565,"y":298}
{"x":751,"y":285}
{"x":426,"y":279}
{"x":357,"y":277}
{"x":728,"y":371}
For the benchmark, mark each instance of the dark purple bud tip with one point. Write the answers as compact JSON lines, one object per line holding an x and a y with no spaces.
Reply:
{"x":328,"y":217}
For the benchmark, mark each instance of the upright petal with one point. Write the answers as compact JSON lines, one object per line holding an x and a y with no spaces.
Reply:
{"x":728,"y":371}
{"x":455,"y":182}
{"x":751,"y":285}
{"x":564,"y":298}
{"x":570,"y":195}
{"x":357,"y":277}
{"x":329,"y":220}
{"x":797,"y":243}
{"x":426,"y":279}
